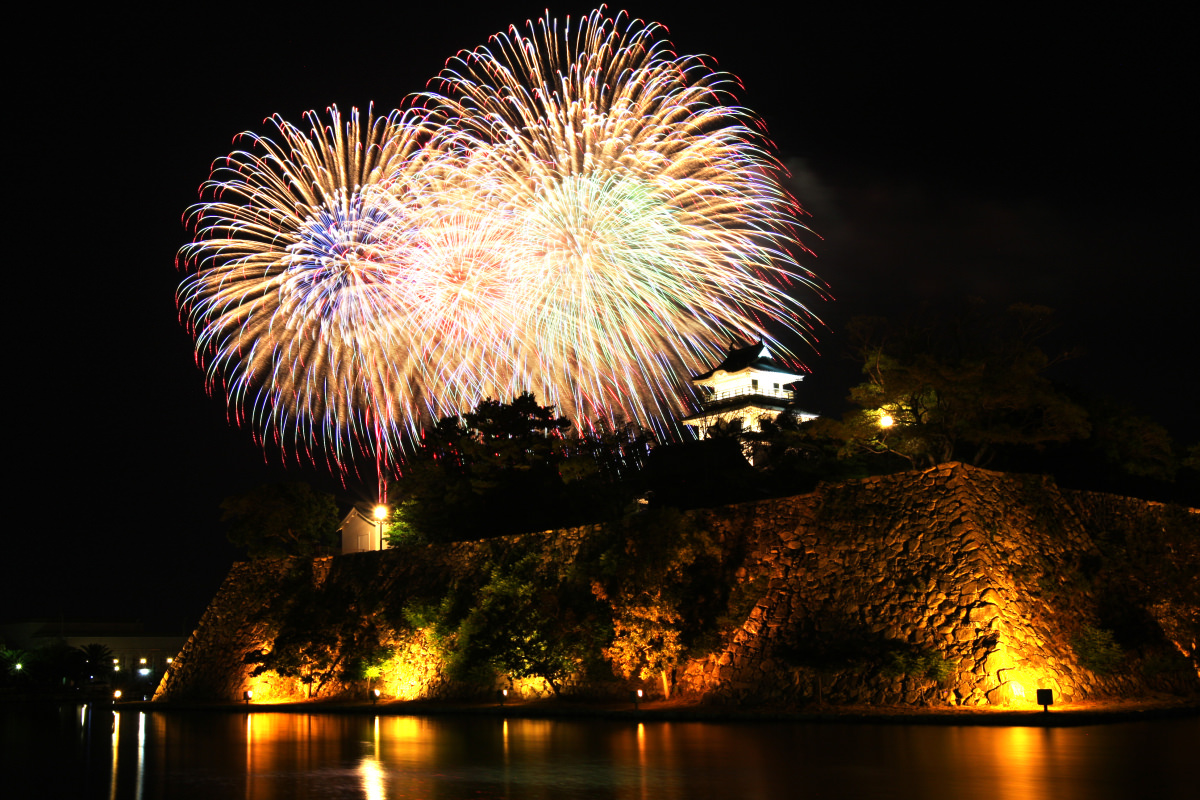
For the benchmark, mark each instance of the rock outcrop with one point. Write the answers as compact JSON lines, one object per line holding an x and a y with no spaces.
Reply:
{"x":953,"y":585}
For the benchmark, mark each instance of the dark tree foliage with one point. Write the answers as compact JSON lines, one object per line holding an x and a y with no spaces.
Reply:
{"x":958,"y":385}
{"x":1127,"y":453}
{"x":1131,"y":442}
{"x":799,"y":454}
{"x":640,"y":594}
{"x":514,"y":467}
{"x":56,"y":664}
{"x":702,"y":474}
{"x":98,"y":658}
{"x":284,"y":519}
{"x":530,"y":621}
{"x":317,"y":635}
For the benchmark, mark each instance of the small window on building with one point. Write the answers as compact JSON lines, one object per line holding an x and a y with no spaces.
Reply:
{"x":777,"y":387}
{"x":754,"y":383}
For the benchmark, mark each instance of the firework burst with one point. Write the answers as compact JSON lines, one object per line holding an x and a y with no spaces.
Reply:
{"x":649,"y":210}
{"x":291,"y":295}
{"x":576,"y":211}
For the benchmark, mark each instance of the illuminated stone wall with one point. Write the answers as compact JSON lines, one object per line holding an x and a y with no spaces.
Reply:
{"x":984,"y":570}
{"x":990,"y":573}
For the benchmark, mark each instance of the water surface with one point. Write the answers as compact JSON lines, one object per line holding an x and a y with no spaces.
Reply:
{"x":271,"y":756}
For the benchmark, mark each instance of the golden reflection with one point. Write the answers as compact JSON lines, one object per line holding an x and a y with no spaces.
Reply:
{"x":370,"y":776}
{"x":249,"y":752}
{"x":1024,"y":754}
{"x":418,"y":757}
{"x":116,"y":740}
{"x":406,"y":740}
{"x":641,"y":746}
{"x":141,"y":756}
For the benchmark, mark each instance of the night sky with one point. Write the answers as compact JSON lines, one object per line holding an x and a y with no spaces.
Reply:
{"x":1014,"y":155}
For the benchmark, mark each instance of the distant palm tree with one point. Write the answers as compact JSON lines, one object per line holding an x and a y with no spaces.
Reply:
{"x":98,"y":658}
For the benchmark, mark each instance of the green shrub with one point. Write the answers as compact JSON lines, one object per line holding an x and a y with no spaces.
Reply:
{"x":917,"y":665}
{"x":1098,"y":650}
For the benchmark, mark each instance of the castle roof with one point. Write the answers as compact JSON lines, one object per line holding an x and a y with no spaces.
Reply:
{"x":751,"y":357}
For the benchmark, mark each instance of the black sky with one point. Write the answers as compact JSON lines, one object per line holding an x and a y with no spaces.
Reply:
{"x":1017,"y":155}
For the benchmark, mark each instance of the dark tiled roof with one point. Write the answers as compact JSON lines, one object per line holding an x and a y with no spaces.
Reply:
{"x":755,"y":356}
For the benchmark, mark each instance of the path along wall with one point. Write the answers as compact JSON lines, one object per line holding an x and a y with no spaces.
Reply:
{"x":998,"y":575}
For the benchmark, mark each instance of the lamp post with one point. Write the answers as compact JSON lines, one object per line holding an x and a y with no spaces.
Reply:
{"x":381,"y":512}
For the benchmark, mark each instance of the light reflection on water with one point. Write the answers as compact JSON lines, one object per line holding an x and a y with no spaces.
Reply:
{"x":271,"y":756}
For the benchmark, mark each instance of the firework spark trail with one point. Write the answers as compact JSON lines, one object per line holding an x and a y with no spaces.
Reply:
{"x":290,"y":302}
{"x":579,"y":212}
{"x":654,"y":211}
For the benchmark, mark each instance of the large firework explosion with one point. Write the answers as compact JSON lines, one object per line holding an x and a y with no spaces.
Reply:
{"x":573,"y":211}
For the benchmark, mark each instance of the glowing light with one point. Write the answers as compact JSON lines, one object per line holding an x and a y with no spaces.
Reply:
{"x":886,"y":421}
{"x":117,"y":694}
{"x":1017,"y":690}
{"x":370,"y":775}
{"x":578,"y":212}
{"x":381,"y":513}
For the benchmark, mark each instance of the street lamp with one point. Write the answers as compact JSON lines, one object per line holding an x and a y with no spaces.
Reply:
{"x":381,"y":512}
{"x":886,"y":421}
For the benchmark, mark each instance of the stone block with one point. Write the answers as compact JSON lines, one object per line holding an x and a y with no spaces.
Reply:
{"x":984,"y":613}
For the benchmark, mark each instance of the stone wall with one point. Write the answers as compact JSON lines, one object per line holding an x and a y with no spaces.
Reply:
{"x":989,"y":573}
{"x":956,"y":561}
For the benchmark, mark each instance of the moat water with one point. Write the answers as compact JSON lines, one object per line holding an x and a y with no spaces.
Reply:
{"x":75,"y":751}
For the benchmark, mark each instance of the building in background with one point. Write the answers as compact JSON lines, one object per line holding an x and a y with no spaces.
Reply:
{"x":745,"y":389}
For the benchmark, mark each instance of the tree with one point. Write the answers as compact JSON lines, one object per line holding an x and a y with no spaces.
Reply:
{"x":98,"y":658}
{"x":528,"y":621}
{"x":281,"y":519}
{"x":13,"y":663}
{"x":514,"y":467}
{"x":961,"y":385}
{"x":666,"y":583}
{"x":1132,"y":442}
